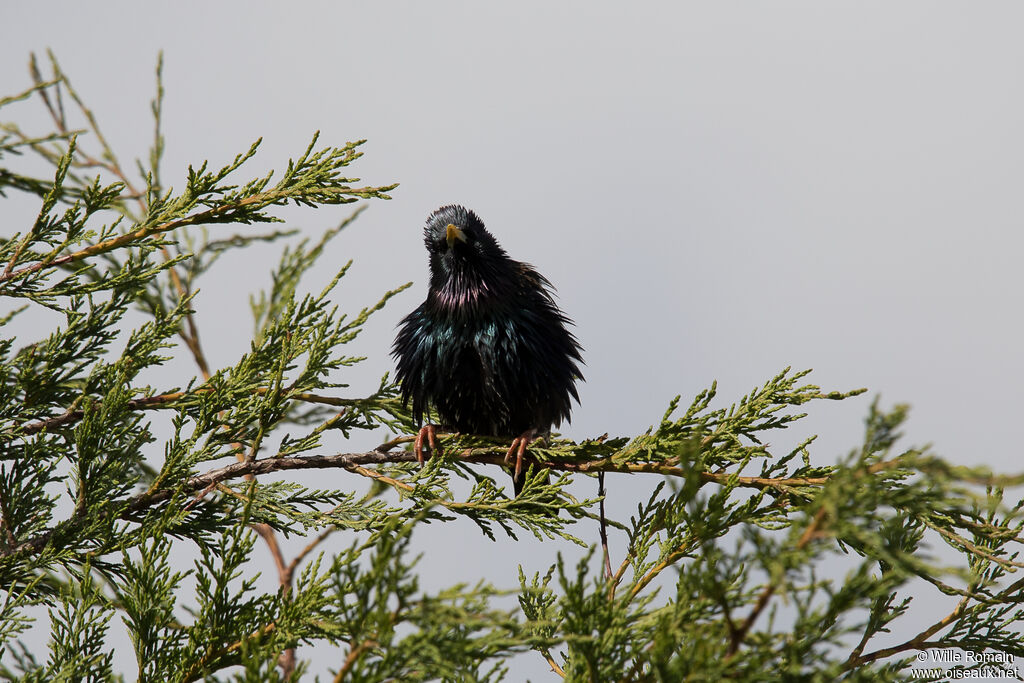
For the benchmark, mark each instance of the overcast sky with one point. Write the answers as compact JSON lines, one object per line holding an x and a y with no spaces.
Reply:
{"x":718,"y":190}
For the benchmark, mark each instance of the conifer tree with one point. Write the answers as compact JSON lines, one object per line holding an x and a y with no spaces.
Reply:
{"x":726,"y":569}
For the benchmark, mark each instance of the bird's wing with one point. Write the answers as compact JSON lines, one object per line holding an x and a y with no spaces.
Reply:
{"x":412,"y":351}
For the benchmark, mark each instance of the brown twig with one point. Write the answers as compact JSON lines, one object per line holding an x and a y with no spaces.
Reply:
{"x":391,"y":443}
{"x":671,"y":559}
{"x":977,"y":550}
{"x":353,"y":655}
{"x":554,"y":665}
{"x":310,"y":547}
{"x":492,"y":456}
{"x":478,"y":454}
{"x":198,"y":497}
{"x":617,"y":578}
{"x":73,"y":414}
{"x":237,"y":470}
{"x":918,"y":642}
{"x":377,"y":476}
{"x":267,"y":533}
{"x":740,"y":634}
{"x":196,"y":670}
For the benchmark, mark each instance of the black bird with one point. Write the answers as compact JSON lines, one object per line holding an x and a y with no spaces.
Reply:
{"x":488,"y":351}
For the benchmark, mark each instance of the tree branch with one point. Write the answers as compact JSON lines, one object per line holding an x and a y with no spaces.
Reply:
{"x":740,"y":634}
{"x":920,"y":641}
{"x":214,"y":215}
{"x":353,"y":654}
{"x":357,"y":462}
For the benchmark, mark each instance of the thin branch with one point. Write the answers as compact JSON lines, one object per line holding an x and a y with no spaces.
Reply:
{"x":554,"y":665}
{"x":161,"y":401}
{"x":377,"y":476}
{"x":869,"y":631}
{"x":310,"y":547}
{"x":785,"y":484}
{"x":251,"y":468}
{"x":199,"y":666}
{"x":617,"y":578}
{"x":350,"y":461}
{"x":920,"y":641}
{"x":73,"y":414}
{"x":143,"y":232}
{"x":22,"y":243}
{"x":672,"y":558}
{"x":267,"y":534}
{"x":762,"y":601}
{"x":391,"y":443}
{"x":603,"y":527}
{"x":189,"y":334}
{"x":977,"y":550}
{"x":353,"y":655}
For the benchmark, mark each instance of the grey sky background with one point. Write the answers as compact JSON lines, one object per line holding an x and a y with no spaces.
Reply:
{"x":718,"y":190}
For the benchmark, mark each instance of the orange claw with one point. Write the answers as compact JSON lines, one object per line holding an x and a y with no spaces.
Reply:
{"x":518,"y":447}
{"x":430,"y":432}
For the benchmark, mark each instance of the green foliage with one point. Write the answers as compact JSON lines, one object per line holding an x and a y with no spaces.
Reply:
{"x":742,"y":562}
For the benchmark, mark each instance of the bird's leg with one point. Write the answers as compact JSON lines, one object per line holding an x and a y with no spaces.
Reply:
{"x":429,"y":433}
{"x":518,"y":447}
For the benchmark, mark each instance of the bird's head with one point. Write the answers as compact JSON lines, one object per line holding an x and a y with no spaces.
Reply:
{"x":463,"y":254}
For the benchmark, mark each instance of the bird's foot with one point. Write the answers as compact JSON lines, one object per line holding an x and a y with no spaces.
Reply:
{"x":518,"y":447}
{"x":427,"y":433}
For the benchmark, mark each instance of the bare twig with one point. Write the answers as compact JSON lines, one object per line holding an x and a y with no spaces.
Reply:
{"x":554,"y":665}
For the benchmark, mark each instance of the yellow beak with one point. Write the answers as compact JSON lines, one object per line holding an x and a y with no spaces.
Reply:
{"x":454,"y":233}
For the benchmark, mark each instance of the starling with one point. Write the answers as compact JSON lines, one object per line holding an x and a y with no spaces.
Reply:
{"x":488,"y":351}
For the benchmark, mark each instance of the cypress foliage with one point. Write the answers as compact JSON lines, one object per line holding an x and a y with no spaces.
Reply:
{"x":726,"y":571}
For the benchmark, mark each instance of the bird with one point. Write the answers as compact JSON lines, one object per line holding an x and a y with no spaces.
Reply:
{"x":488,"y":352}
